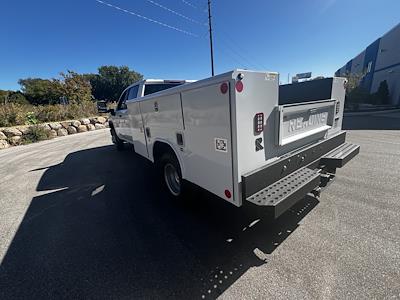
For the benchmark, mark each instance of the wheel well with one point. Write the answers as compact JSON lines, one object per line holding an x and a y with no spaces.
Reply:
{"x":160,"y":148}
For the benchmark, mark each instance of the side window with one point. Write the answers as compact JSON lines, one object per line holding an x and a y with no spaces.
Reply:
{"x":133,"y":91}
{"x":122,"y":101}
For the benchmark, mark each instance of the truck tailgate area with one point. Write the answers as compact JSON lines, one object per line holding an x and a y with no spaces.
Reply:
{"x":280,"y":184}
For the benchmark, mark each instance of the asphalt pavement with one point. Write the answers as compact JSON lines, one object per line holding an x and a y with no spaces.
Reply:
{"x":80,"y":220}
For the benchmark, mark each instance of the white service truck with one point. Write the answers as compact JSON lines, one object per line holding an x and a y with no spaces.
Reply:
{"x":239,"y":135}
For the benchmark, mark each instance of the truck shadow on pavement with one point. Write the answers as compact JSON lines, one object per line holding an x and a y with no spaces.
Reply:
{"x":102,"y":228}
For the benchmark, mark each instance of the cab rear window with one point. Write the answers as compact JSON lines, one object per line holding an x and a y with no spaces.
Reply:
{"x":157,"y":87}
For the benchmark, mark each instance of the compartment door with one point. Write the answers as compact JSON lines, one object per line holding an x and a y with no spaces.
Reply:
{"x":208,"y":153}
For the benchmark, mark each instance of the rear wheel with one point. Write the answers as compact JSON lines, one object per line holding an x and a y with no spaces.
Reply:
{"x":116,"y":140}
{"x":171,"y":174}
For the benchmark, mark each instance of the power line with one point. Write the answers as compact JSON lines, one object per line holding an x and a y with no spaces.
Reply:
{"x":189,"y":4}
{"x":175,"y":12}
{"x":223,"y":41}
{"x":224,"y":53}
{"x":148,"y":19}
{"x":241,"y":49}
{"x":201,"y":8}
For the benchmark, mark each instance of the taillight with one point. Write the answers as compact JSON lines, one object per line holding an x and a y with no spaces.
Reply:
{"x":239,"y":86}
{"x":337,"y":107}
{"x":228,"y":194}
{"x":224,"y":88}
{"x":259,"y":122}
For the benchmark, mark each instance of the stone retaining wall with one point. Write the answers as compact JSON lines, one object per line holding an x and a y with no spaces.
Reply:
{"x":13,"y":136}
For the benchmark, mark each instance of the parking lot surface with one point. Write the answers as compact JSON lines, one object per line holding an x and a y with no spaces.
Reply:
{"x":80,"y":220}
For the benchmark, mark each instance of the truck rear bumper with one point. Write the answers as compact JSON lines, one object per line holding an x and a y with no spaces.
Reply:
{"x":282,"y":183}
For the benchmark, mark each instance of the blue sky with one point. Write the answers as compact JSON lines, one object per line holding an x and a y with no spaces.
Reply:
{"x":41,"y":38}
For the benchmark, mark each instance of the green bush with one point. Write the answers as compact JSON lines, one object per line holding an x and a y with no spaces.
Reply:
{"x":31,"y":118}
{"x":35,"y":134}
{"x":12,"y":114}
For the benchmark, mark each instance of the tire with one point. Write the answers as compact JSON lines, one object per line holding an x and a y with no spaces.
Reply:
{"x":171,"y":175}
{"x":116,"y":140}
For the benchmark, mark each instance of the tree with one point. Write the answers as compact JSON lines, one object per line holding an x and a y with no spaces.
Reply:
{"x":355,"y":92}
{"x":40,"y":91}
{"x":12,"y":97}
{"x":76,"y":88}
{"x":17,"y":97}
{"x":4,"y":96}
{"x":382,"y":95}
{"x":111,"y":81}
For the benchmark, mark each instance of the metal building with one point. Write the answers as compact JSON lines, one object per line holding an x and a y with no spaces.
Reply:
{"x":379,"y":61}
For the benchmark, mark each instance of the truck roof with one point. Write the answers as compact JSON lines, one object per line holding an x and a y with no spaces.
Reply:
{"x":150,"y":81}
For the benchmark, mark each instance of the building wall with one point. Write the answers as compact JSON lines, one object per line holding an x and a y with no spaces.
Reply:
{"x":389,"y":49}
{"x":371,"y":54}
{"x":358,"y":63}
{"x":392,"y":77}
{"x":380,"y":61}
{"x":388,"y":64}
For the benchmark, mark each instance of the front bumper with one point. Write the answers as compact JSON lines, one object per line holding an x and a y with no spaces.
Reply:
{"x":282,"y":183}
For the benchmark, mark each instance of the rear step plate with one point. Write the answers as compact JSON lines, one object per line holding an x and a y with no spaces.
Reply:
{"x":283,"y":194}
{"x":338,"y":157}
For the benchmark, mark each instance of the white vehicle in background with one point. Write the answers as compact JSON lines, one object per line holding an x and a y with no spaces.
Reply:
{"x":239,"y":135}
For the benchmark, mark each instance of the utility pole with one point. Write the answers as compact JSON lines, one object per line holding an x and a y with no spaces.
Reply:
{"x":211,"y":40}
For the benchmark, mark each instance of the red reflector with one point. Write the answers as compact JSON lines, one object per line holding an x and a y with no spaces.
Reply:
{"x":224,"y":88}
{"x":259,"y":122}
{"x":239,"y":86}
{"x":228,"y":194}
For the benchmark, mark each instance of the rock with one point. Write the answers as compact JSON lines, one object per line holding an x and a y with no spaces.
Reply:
{"x":82,"y":128}
{"x":93,"y":121}
{"x":76,"y":124}
{"x":2,"y":136}
{"x":55,"y":126}
{"x":24,"y":129}
{"x":4,"y":144}
{"x":52,"y":134}
{"x":107,"y":124}
{"x":10,"y":132}
{"x":65,"y":124}
{"x":101,"y":120}
{"x":90,"y":127}
{"x":84,"y":121}
{"x":62,"y":132}
{"x":71,"y":130}
{"x":15,"y":140}
{"x":99,"y":126}
{"x":45,"y":127}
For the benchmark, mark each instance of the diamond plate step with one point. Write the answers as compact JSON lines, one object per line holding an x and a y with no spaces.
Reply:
{"x":284,"y":193}
{"x":338,"y":157}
